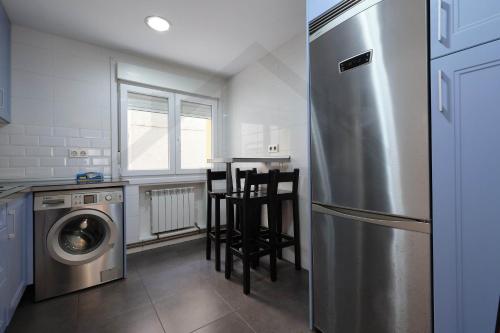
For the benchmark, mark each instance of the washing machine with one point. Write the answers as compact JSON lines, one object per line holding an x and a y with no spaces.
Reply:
{"x":78,"y":240}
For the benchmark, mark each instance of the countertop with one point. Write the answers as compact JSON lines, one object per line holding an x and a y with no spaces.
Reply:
{"x":256,"y":159}
{"x":54,"y":185}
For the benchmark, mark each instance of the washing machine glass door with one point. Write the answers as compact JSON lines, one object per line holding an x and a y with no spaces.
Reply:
{"x":81,"y":237}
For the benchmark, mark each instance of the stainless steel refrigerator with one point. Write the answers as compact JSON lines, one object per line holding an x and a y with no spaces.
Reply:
{"x":370,"y":168}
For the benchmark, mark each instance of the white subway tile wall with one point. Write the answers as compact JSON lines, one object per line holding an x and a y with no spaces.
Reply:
{"x":37,"y":152}
{"x":60,"y":100}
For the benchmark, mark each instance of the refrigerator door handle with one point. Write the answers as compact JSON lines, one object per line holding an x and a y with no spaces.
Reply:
{"x":391,"y":222}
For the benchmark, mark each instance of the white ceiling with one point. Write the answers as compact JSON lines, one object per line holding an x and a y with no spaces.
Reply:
{"x":220,"y":36}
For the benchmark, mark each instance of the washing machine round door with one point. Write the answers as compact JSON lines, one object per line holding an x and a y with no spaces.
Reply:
{"x":81,"y":237}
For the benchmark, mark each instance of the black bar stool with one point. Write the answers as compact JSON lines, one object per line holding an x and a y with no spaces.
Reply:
{"x":217,"y":234}
{"x":240,"y":176}
{"x":284,"y":240}
{"x":251,"y":246}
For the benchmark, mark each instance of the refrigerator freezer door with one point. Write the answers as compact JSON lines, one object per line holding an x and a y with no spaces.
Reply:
{"x":369,"y":110}
{"x":369,"y":278}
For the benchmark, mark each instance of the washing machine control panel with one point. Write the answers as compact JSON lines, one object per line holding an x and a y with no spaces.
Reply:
{"x":96,"y":198}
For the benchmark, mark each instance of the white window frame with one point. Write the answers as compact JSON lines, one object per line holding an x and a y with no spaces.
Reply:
{"x":124,"y":90}
{"x":179,"y":98}
{"x":174,"y":133}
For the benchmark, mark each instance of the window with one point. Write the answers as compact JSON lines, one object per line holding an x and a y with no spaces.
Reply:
{"x":160,"y":137}
{"x":196,"y":137}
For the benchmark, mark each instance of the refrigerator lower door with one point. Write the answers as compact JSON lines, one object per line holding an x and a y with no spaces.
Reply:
{"x":369,"y":277}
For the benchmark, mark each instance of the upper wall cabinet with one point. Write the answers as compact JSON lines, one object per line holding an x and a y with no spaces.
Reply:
{"x":4,"y":66}
{"x":460,"y":24}
{"x":466,"y":189}
{"x":317,"y":7}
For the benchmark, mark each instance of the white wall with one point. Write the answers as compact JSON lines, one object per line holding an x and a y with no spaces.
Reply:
{"x":63,"y":96}
{"x":267,"y":104}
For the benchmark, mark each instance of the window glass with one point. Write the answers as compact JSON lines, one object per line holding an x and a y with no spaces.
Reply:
{"x":196,"y":135}
{"x":147,"y":132}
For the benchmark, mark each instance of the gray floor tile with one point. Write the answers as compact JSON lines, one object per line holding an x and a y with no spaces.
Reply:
{"x":189,"y":310}
{"x":174,"y":289}
{"x":232,"y":323}
{"x":142,"y":319}
{"x":98,"y":305}
{"x":53,"y":315}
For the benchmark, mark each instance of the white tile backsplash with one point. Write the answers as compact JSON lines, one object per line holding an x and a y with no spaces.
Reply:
{"x":9,"y":173}
{"x":39,"y":151}
{"x":12,"y":151}
{"x":4,"y":139}
{"x":78,"y":161}
{"x":53,"y":162}
{"x":28,"y":84}
{"x":39,"y":172}
{"x":101,"y":143}
{"x":24,"y":162}
{"x":23,"y":140}
{"x":101,"y":161}
{"x":38,"y":130}
{"x":22,"y":111}
{"x":12,"y":129}
{"x":31,"y":58}
{"x":78,"y":142}
{"x":43,"y":152}
{"x":90,"y":133}
{"x":54,"y":141}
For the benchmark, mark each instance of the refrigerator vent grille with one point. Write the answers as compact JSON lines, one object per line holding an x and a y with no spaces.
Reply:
{"x":331,"y":14}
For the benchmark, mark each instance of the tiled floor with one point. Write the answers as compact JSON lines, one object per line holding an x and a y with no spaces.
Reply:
{"x":175,"y":290}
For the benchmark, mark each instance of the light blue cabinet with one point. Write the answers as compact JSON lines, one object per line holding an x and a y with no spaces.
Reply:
{"x":5,"y":109}
{"x":317,"y":7}
{"x":466,"y":189}
{"x":461,"y":24}
{"x":4,"y":282}
{"x":15,"y":221}
{"x":16,"y":224}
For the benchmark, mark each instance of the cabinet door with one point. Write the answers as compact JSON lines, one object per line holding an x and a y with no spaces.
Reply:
{"x":317,"y":7}
{"x":460,"y":24}
{"x":466,"y":189}
{"x":4,"y":66}
{"x":4,"y":300}
{"x":16,"y":250}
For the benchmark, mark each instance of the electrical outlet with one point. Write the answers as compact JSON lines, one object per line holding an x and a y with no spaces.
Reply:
{"x":78,"y":153}
{"x":273,"y":148}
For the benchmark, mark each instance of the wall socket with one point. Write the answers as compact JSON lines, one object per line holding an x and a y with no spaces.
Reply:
{"x":273,"y":148}
{"x":78,"y":153}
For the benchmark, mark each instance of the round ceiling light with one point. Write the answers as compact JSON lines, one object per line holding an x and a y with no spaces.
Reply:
{"x":157,"y":23}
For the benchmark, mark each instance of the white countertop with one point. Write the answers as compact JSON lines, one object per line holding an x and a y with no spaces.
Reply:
{"x":256,"y":159}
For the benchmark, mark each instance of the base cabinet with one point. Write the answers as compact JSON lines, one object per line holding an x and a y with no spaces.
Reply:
{"x":4,"y":288}
{"x":466,"y":189}
{"x":15,"y":217}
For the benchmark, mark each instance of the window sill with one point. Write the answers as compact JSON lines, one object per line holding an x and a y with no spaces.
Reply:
{"x":173,"y":179}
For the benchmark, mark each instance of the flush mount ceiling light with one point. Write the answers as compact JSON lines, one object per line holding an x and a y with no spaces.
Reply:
{"x":157,"y":23}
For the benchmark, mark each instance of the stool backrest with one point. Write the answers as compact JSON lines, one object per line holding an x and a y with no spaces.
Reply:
{"x":214,"y":175}
{"x":255,"y":179}
{"x":240,"y":175}
{"x":287,"y":177}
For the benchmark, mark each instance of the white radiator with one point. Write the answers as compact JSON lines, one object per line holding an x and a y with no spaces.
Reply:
{"x":172,"y":209}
